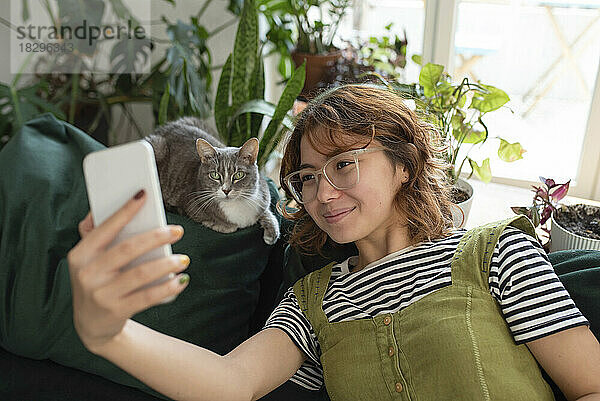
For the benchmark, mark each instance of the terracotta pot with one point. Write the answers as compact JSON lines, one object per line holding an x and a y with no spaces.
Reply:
{"x":316,"y":68}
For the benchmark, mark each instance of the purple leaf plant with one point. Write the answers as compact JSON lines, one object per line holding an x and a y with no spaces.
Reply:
{"x":545,"y":202}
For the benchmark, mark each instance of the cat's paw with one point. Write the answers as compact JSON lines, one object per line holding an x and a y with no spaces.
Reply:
{"x":271,"y":235}
{"x":271,"y":227}
{"x":220,"y":228}
{"x":227,"y":229}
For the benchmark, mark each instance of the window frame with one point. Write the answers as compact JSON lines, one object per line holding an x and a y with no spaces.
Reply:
{"x":438,"y":47}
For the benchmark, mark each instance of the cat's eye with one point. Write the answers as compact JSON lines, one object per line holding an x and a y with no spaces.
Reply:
{"x":214,"y":175}
{"x":239,"y":175}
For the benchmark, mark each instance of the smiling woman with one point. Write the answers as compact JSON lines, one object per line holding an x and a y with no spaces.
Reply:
{"x":423,"y":309}
{"x":352,"y":118}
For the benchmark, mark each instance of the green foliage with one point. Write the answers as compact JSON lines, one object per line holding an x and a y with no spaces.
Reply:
{"x":458,"y":111}
{"x":429,"y":77}
{"x":164,"y":104}
{"x":380,"y":56}
{"x":510,"y":152}
{"x":273,"y":132}
{"x":187,"y":70}
{"x":239,"y":104}
{"x":126,"y":53}
{"x":291,"y":28}
{"x":222,"y":106}
{"x":178,"y":84}
{"x":74,"y":13}
{"x":385,"y":54}
{"x":20,"y":104}
{"x":490,"y":100}
{"x":483,"y":172}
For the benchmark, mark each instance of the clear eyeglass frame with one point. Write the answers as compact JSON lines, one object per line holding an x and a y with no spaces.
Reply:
{"x":354,"y":153}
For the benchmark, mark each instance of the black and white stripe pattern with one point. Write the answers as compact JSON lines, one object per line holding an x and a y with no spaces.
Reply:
{"x":533,"y":301}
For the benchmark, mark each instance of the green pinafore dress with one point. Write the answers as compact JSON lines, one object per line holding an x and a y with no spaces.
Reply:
{"x":452,"y":344}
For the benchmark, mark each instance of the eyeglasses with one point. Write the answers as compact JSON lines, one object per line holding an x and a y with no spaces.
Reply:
{"x":341,"y":171}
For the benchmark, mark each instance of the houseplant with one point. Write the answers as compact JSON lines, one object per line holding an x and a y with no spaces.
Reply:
{"x":458,"y":111}
{"x":384,"y":55}
{"x":297,"y":35}
{"x":239,"y":103}
{"x":572,"y":226}
{"x":86,"y":98}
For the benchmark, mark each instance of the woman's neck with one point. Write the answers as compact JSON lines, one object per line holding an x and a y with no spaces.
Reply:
{"x":379,"y":245}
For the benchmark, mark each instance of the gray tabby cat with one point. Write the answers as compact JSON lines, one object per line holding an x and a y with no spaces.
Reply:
{"x":217,"y":186}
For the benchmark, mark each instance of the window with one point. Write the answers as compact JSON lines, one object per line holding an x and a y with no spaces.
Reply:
{"x":544,"y":54}
{"x":372,"y":16}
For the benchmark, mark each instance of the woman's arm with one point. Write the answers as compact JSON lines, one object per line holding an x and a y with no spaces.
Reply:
{"x":183,"y":371}
{"x":104,"y":299}
{"x":572,"y":359}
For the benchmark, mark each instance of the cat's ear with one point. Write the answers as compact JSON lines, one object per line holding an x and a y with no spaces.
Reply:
{"x":249,"y":151}
{"x":205,"y":149}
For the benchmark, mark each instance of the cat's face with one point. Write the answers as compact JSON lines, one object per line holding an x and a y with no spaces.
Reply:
{"x":228,"y":173}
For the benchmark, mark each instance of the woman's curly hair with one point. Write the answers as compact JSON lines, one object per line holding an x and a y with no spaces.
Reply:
{"x":367,"y":112}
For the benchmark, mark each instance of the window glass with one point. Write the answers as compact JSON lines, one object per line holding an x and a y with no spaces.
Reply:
{"x":404,"y":15}
{"x":545,"y":55}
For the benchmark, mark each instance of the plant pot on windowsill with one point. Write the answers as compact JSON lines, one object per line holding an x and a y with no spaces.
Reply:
{"x":317,"y":66}
{"x":462,"y":197}
{"x":575,"y":227}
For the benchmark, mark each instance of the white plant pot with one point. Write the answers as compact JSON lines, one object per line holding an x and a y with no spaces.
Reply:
{"x":460,"y":211}
{"x":563,"y":239}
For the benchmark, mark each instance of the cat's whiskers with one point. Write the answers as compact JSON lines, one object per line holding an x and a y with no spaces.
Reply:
{"x":193,"y":212}
{"x":201,"y":192}
{"x":204,"y":206}
{"x":200,"y":200}
{"x":251,"y":201}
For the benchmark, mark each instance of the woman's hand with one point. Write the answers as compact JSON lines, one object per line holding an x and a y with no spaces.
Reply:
{"x":104,"y":297}
{"x":86,"y":225}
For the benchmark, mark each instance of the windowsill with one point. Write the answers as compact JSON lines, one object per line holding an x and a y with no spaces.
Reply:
{"x":492,"y":202}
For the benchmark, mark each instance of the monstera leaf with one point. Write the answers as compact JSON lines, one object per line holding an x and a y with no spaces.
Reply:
{"x":80,"y":15}
{"x":128,"y":55}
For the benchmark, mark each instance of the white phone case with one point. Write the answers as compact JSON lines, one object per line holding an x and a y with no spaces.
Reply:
{"x":115,"y":175}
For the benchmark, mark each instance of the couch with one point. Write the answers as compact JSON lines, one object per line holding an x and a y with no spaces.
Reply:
{"x":237,"y":280}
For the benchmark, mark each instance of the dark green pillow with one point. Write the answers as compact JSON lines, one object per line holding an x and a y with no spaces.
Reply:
{"x":42,"y":199}
{"x":579,"y":271}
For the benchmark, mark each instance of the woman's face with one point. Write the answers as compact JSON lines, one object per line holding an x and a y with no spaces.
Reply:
{"x":367,"y":209}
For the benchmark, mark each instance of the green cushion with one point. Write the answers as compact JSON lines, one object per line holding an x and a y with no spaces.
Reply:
{"x":42,"y":199}
{"x":579,"y":271}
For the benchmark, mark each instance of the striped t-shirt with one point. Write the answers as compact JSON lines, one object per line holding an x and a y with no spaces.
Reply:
{"x":532,"y":299}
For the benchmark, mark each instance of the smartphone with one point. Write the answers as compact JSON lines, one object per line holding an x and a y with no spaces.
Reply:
{"x":115,"y":175}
